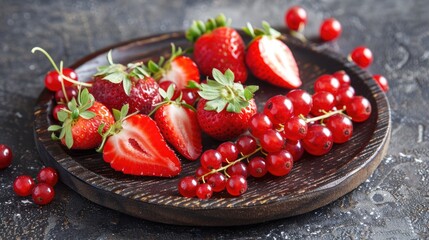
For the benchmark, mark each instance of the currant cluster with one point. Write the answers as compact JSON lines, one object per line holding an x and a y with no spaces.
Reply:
{"x":287,"y":126}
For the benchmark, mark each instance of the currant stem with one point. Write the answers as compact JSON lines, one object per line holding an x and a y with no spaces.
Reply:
{"x":326,"y":115}
{"x":229,"y":164}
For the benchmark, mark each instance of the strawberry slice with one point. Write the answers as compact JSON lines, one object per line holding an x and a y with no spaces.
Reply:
{"x":180,"y":128}
{"x":139,"y":148}
{"x":270,"y":59}
{"x":181,"y":70}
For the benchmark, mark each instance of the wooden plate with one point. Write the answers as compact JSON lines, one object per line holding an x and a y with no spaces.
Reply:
{"x":313,"y":182}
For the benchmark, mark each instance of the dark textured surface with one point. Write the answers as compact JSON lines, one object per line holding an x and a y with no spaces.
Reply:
{"x":391,"y":204}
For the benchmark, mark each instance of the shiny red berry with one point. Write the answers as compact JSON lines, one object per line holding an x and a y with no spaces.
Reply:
{"x":295,"y":129}
{"x":301,"y":101}
{"x":259,"y":124}
{"x":318,"y":141}
{"x":188,"y":186}
{"x":382,"y":82}
{"x":344,"y":95}
{"x":280,"y":163}
{"x":236,"y":185}
{"x":246,"y":144}
{"x":217,"y":181}
{"x":166,"y":84}
{"x":53,"y":79}
{"x":341,"y":127}
{"x":23,"y":185}
{"x":342,"y":77}
{"x":190,"y":96}
{"x":362,"y":56}
{"x":238,"y":168}
{"x":211,"y":159}
{"x":6,"y":156}
{"x":330,"y":29}
{"x":204,"y":191}
{"x":322,"y":102}
{"x":295,"y":148}
{"x":43,"y":194}
{"x":271,"y":141}
{"x":229,"y":151}
{"x":327,"y":83}
{"x":60,"y":96}
{"x":296,"y":18}
{"x":47,"y":175}
{"x":279,"y":109}
{"x":257,"y":167}
{"x":359,"y":109}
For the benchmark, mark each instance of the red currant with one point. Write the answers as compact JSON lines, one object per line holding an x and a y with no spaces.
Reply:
{"x":279,"y":109}
{"x":211,"y":159}
{"x":165,"y":84}
{"x":43,"y":194}
{"x":294,"y":148}
{"x":6,"y":156}
{"x":229,"y":151}
{"x":217,"y":181}
{"x":344,"y":96}
{"x":23,"y":185}
{"x":341,"y":127}
{"x":188,"y":186}
{"x":48,"y":175}
{"x":296,"y":18}
{"x":382,"y":82}
{"x":204,"y":191}
{"x":322,"y":102}
{"x":295,"y":128}
{"x":257,"y":167}
{"x":330,"y":29}
{"x":362,"y":56}
{"x":238,"y":168}
{"x":301,"y":101}
{"x":190,"y":96}
{"x":327,"y":83}
{"x":280,"y":163}
{"x":342,"y":77}
{"x":271,"y":141}
{"x":60,"y":97}
{"x":53,"y":79}
{"x":359,"y":109}
{"x":318,"y":141}
{"x":236,"y":185}
{"x":201,"y":171}
{"x":246,"y":144}
{"x":259,"y":124}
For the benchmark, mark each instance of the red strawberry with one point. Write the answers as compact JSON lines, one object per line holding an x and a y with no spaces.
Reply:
{"x":116,"y":85}
{"x":269,"y":59}
{"x":81,"y":122}
{"x":226,"y":107}
{"x":135,"y":146}
{"x":178,"y":69}
{"x":218,"y":46}
{"x":180,"y":128}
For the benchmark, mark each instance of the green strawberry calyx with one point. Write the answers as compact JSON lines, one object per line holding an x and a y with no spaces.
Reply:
{"x":266,"y":30}
{"x":167,"y":97}
{"x":158,"y":69}
{"x":223,"y":93}
{"x":75,"y":109}
{"x":199,"y":28}
{"x":118,"y":73}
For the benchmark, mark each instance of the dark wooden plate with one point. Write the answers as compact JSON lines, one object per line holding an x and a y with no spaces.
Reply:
{"x":314,"y":181}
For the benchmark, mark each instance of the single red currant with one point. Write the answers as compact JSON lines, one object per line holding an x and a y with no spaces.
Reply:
{"x":296,"y":18}
{"x":257,"y":167}
{"x":60,"y":97}
{"x":211,"y":159}
{"x":217,"y":181}
{"x":190,"y":96}
{"x":295,"y":129}
{"x":327,"y":83}
{"x":318,"y":141}
{"x":188,"y":186}
{"x":43,"y":194}
{"x":330,"y":29}
{"x":279,"y":109}
{"x":301,"y":101}
{"x":48,"y":175}
{"x":271,"y":141}
{"x":382,"y":82}
{"x":259,"y":124}
{"x":165,"y":84}
{"x":201,"y":171}
{"x":342,"y":77}
{"x":246,"y":144}
{"x":236,"y":185}
{"x":280,"y":163}
{"x":359,"y":109}
{"x":362,"y":56}
{"x":341,"y":127}
{"x":6,"y":156}
{"x":53,"y":79}
{"x":238,"y":168}
{"x":229,"y":151}
{"x":23,"y":185}
{"x":294,"y":148}
{"x":322,"y":102}
{"x":344,"y":96}
{"x":204,"y":191}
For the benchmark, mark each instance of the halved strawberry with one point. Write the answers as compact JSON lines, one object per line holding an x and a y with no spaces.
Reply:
{"x":178,"y":69}
{"x":135,"y":146}
{"x":270,"y":59}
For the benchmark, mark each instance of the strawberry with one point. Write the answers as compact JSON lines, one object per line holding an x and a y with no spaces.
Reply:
{"x":269,"y":59}
{"x":178,"y":69}
{"x":216,"y":45}
{"x":226,"y":107}
{"x":179,"y":125}
{"x":116,"y":85}
{"x":134,"y":145}
{"x":81,"y":121}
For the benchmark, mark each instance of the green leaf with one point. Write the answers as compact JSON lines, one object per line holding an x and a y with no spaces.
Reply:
{"x":170,"y":92}
{"x":54,"y":137}
{"x":218,"y":105}
{"x":115,"y":77}
{"x":229,"y":75}
{"x":127,"y":86}
{"x":54,"y":128}
{"x":209,"y":95}
{"x":116,"y":114}
{"x":124,"y":110}
{"x":62,"y":115}
{"x":162,"y":93}
{"x":68,"y":136}
{"x":252,"y":88}
{"x":219,"y":77}
{"x":100,"y":128}
{"x":194,"y":85}
{"x":109,"y":57}
{"x":233,"y":108}
{"x":72,"y":105}
{"x":87,"y":114}
{"x":248,"y":94}
{"x":153,"y":67}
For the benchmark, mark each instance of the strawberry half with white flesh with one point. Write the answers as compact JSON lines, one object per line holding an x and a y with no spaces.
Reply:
{"x":134,"y":145}
{"x":270,"y":59}
{"x":178,"y":69}
{"x":179,"y":125}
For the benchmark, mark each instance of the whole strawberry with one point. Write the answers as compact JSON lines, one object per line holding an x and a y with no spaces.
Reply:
{"x":116,"y":85}
{"x":81,"y":121}
{"x":216,"y":45}
{"x":225,"y":107}
{"x":269,"y":59}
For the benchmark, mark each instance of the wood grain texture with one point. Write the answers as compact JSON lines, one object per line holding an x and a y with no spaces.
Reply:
{"x":313,"y":182}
